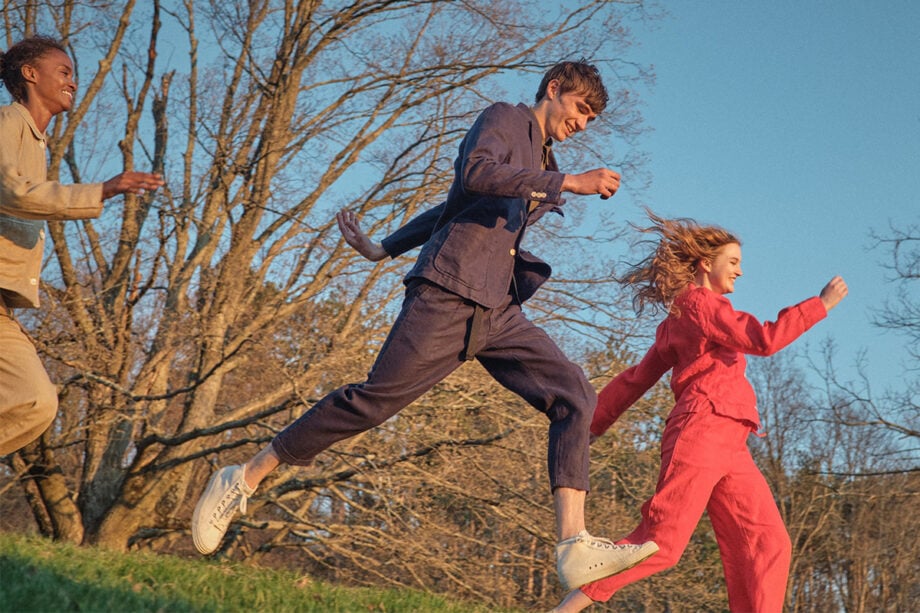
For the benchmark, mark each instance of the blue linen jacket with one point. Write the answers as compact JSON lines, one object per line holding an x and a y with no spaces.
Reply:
{"x":471,"y":241}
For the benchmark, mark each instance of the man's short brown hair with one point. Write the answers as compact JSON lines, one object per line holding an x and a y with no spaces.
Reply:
{"x":580,"y":77}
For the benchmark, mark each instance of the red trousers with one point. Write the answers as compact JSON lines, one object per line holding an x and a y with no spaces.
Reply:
{"x":706,"y":465}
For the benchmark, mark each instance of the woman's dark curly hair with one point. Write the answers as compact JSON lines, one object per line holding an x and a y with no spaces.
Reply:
{"x":21,"y":54}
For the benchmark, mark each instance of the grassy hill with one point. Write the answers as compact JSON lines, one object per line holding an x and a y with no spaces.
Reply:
{"x":41,"y":576}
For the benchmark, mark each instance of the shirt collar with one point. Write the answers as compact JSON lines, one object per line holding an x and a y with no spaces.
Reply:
{"x":29,"y":120}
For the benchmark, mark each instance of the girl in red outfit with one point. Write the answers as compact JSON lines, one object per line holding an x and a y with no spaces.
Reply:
{"x":705,"y":462}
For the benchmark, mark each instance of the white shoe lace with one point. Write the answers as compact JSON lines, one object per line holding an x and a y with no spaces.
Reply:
{"x":600,"y":543}
{"x":243,"y":499}
{"x":234,"y":497}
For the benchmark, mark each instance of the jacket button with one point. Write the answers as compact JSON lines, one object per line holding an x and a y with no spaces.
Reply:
{"x":33,"y":281}
{"x":512,"y":252}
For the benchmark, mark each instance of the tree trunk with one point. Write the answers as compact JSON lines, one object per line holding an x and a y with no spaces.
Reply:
{"x":52,"y":505}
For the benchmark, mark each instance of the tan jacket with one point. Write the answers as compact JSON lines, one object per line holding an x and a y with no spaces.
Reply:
{"x":27,"y":198}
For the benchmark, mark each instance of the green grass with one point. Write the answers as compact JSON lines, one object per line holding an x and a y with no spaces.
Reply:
{"x":42,"y":576}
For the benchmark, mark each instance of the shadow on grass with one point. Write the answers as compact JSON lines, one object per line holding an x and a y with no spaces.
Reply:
{"x":41,"y":576}
{"x":28,"y":585}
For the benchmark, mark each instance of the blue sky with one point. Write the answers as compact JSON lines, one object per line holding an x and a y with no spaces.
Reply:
{"x":797,"y":126}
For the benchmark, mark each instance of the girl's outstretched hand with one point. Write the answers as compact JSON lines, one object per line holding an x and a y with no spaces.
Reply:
{"x":833,"y":292}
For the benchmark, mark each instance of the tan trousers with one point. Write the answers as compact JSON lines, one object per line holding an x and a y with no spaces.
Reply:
{"x":28,"y":399}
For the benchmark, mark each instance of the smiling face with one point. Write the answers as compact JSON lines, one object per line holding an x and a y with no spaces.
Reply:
{"x":564,"y":114}
{"x":50,"y":84}
{"x":720,"y":273}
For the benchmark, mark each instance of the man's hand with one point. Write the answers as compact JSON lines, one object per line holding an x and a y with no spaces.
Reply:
{"x":131,"y":182}
{"x":834,"y":292}
{"x":601,"y":181}
{"x":354,"y":236}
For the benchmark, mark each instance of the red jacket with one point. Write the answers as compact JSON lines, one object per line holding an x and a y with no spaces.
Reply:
{"x":705,"y":347}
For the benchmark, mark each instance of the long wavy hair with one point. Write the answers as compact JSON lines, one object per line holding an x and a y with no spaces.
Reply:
{"x":676,"y":252}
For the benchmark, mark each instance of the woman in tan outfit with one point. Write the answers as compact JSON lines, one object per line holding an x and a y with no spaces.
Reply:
{"x":38,"y":73}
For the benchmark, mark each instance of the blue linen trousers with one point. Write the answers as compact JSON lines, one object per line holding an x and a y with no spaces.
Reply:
{"x":429,"y":340}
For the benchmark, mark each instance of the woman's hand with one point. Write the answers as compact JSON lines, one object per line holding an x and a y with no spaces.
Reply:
{"x":834,"y":292}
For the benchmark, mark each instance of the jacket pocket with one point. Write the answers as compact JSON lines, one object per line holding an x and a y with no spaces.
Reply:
{"x":23,"y":233}
{"x":471,"y":256}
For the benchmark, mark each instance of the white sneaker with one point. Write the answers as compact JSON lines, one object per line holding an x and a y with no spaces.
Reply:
{"x":584,"y":558}
{"x":226,"y":492}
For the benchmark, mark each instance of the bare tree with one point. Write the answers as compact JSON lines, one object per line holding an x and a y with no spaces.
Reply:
{"x":857,"y":404}
{"x":191,"y":325}
{"x":902,"y":313}
{"x":844,"y":501}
